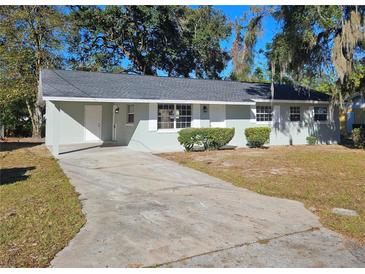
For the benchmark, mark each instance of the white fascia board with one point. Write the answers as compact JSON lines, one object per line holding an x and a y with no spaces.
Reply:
{"x":290,"y":101}
{"x":111,"y":100}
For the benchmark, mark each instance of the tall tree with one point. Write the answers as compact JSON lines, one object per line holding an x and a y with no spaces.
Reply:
{"x":246,"y":37}
{"x":175,"y":39}
{"x":258,"y":75}
{"x":29,"y":40}
{"x":316,"y":41}
{"x":236,"y":52}
{"x":204,"y":29}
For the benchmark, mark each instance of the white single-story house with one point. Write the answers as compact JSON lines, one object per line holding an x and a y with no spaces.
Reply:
{"x":355,"y":113}
{"x":146,"y":112}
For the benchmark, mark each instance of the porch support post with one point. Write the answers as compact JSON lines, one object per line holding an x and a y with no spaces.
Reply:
{"x":55,"y":126}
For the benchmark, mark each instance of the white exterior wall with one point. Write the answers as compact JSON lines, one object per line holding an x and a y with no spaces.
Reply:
{"x":288,"y":132}
{"x":217,"y":116}
{"x":144,"y":135}
{"x":70,"y":122}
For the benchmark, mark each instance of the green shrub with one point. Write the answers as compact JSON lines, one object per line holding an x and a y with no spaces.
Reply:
{"x":358,"y":136}
{"x":257,"y":136}
{"x":311,"y":140}
{"x":218,"y":137}
{"x":208,"y":138}
{"x":189,"y":137}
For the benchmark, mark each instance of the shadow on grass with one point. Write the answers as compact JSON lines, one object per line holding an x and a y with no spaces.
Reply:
{"x":10,"y":146}
{"x":13,"y":175}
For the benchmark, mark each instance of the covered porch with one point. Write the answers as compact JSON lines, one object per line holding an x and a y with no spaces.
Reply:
{"x":77,"y":123}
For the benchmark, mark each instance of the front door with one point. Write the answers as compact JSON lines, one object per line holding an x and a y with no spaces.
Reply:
{"x":93,"y":123}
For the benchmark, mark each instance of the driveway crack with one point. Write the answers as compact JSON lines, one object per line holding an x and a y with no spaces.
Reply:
{"x":261,"y":241}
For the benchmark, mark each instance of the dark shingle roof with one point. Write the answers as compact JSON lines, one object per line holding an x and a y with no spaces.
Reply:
{"x":66,"y":83}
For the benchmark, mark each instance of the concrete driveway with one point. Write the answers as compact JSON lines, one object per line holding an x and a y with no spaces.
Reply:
{"x":143,"y":210}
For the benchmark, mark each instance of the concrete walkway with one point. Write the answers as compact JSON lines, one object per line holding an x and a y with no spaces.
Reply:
{"x":143,"y":210}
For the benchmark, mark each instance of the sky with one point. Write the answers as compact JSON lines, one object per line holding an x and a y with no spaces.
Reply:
{"x":270,"y":27}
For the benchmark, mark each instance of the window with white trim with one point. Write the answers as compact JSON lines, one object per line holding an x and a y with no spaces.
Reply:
{"x":294,"y":114}
{"x":263,"y":113}
{"x":173,"y":116}
{"x":130,"y":114}
{"x":183,"y":116}
{"x":320,"y":113}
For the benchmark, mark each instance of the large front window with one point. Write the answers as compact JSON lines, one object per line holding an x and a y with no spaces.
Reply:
{"x":173,"y":116}
{"x":183,"y":116}
{"x":263,"y":113}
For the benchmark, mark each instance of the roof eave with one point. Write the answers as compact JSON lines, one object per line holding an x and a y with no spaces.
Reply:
{"x":169,"y":101}
{"x":291,"y":101}
{"x":161,"y":101}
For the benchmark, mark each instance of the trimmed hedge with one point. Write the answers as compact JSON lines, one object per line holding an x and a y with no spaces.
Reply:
{"x":208,"y":138}
{"x":257,"y":136}
{"x":189,"y":137}
{"x":358,"y":136}
{"x":311,"y":140}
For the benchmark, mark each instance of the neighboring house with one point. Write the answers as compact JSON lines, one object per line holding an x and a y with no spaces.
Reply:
{"x":146,"y":112}
{"x":355,"y":113}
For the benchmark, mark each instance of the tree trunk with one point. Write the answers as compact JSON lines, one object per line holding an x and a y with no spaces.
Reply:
{"x":37,"y":124}
{"x":35,"y":115}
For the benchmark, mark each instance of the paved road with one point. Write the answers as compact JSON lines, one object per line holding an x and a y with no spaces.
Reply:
{"x":143,"y":210}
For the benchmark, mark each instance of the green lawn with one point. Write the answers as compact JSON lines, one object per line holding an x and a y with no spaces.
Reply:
{"x":322,"y":177}
{"x":39,"y":211}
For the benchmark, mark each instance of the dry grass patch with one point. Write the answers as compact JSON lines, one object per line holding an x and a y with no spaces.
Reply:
{"x":322,"y":177}
{"x":39,"y":211}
